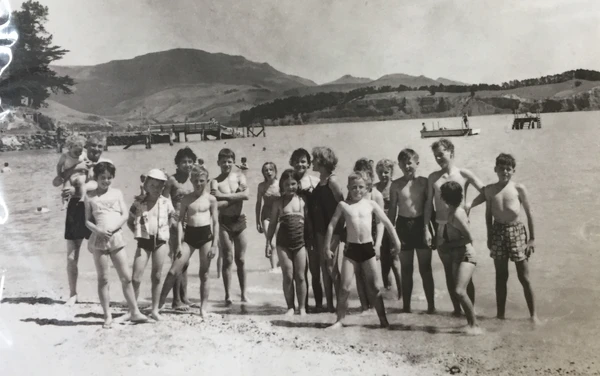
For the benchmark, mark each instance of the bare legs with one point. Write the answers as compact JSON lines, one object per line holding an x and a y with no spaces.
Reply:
{"x":329,"y":268}
{"x":73,"y":247}
{"x":407,"y":262}
{"x":293,"y":267}
{"x":139,"y":264}
{"x":233,"y":247}
{"x":463,"y":273}
{"x":273,"y":258}
{"x":314,"y":264}
{"x":180,"y":300}
{"x":388,"y":262}
{"x":119,"y":260}
{"x":501,"y":289}
{"x":446,"y":258}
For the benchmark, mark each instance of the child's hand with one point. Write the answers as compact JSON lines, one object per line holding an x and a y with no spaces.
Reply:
{"x":396,"y":250}
{"x":268,"y":250}
{"x":106,"y":234}
{"x":467,"y":208}
{"x":139,"y":198}
{"x":212,"y":252}
{"x":428,"y":239}
{"x":328,"y":253}
{"x":530,"y":248}
{"x":377,"y":251}
{"x":259,"y":227}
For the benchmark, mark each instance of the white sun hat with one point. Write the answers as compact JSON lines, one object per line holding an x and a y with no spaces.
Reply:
{"x":157,"y":174}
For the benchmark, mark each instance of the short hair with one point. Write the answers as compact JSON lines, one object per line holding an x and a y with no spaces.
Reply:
{"x":75,"y":140}
{"x":443,"y":143}
{"x":244,"y":160}
{"x":6,"y":164}
{"x":262,"y":169}
{"x":452,"y":193}
{"x":385,"y":164}
{"x":360,"y":175}
{"x":299,"y":153}
{"x":364,"y":165}
{"x":407,"y":154}
{"x":506,"y":160}
{"x":185,"y":152}
{"x":199,"y":170}
{"x":200,"y":161}
{"x":102,"y":167}
{"x":286,"y":175}
{"x":226,"y":153}
{"x":325,"y":157}
{"x":97,"y":138}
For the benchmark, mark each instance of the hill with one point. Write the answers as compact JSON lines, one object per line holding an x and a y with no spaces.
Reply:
{"x":105,"y":89}
{"x":445,"y":81}
{"x":348,"y":79}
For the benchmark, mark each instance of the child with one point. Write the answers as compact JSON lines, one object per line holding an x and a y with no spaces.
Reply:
{"x":200,"y":162}
{"x":365,"y":166}
{"x":66,"y":173}
{"x":142,"y":190}
{"x":244,"y":165}
{"x":324,"y":199}
{"x":443,"y":151}
{"x":105,"y":214}
{"x":150,"y":220}
{"x":6,"y":169}
{"x":267,"y":192}
{"x":177,"y":187}
{"x":199,"y":210}
{"x":507,"y":237}
{"x":300,"y":161}
{"x":231,"y":190}
{"x":290,"y":212}
{"x":457,"y":242}
{"x":385,"y":171}
{"x":360,"y":254}
{"x":408,"y":196}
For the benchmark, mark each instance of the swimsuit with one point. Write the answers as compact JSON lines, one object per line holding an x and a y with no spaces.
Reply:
{"x":291,"y":232}
{"x":360,"y":252}
{"x":75,"y":228}
{"x":323,"y":206}
{"x":508,"y":241}
{"x":196,"y":237}
{"x":411,"y":232}
{"x":106,"y":211}
{"x":233,"y":225}
{"x":151,"y":244}
{"x":463,"y":253}
{"x":269,"y":198}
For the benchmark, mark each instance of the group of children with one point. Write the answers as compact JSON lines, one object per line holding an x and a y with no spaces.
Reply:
{"x":392,"y":219}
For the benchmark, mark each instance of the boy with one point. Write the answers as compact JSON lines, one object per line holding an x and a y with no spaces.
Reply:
{"x":458,"y":243}
{"x":506,"y":235}
{"x":230,"y":189}
{"x":443,"y":151}
{"x":199,"y":210}
{"x":177,"y":187}
{"x":360,"y":253}
{"x":408,"y":196}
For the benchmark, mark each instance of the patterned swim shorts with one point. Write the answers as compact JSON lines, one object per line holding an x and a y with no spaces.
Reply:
{"x":508,"y":241}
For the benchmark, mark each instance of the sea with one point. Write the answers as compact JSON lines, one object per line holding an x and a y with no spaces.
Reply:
{"x":558,"y":164}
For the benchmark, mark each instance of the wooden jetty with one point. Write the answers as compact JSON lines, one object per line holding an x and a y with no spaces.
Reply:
{"x":527,"y":121}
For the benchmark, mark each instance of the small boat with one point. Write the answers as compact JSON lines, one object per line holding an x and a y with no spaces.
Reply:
{"x":455,"y":132}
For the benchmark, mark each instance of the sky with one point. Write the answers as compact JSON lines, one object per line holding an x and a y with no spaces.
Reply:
{"x":472,"y":41}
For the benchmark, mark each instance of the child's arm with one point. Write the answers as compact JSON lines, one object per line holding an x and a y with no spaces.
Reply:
{"x":480,"y":199}
{"x":259,"y":197}
{"x":393,"y":203}
{"x":473,"y":180}
{"x":428,"y":210}
{"x":60,"y":164}
{"x":378,"y":199}
{"x":124,"y":213}
{"x":336,"y":188}
{"x":214,"y":214}
{"x":380,"y":214}
{"x":462,"y":224}
{"x":243,"y":194}
{"x":332,"y":224}
{"x":525,"y":201}
{"x":273,"y":219}
{"x":132,"y":214}
{"x":489,"y":219}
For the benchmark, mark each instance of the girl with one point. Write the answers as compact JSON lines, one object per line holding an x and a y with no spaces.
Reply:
{"x":268,"y":192}
{"x":325,"y":197}
{"x":105,"y":214}
{"x":385,"y":171}
{"x":301,"y":161}
{"x":458,"y":243}
{"x":290,"y":212}
{"x":149,"y":220}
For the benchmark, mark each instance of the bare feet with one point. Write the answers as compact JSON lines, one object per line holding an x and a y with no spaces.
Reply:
{"x":431,"y":311}
{"x":186,"y":301}
{"x":384,"y":323}
{"x":457,"y":313}
{"x":275,"y":271}
{"x":473,"y":330}
{"x":180,"y":306}
{"x":72,"y":300}
{"x":290,"y":312}
{"x":155,"y":315}
{"x":366,"y":311}
{"x":536,"y":321}
{"x":107,"y":322}
{"x":406,"y":310}
{"x":500,"y":317}
{"x":228,"y":302}
{"x":302,"y":312}
{"x":138,"y":317}
{"x":336,"y":325}
{"x":246,"y":300}
{"x":331,"y":309}
{"x":203,"y":313}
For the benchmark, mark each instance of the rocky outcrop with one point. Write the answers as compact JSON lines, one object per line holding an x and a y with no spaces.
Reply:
{"x":28,"y":142}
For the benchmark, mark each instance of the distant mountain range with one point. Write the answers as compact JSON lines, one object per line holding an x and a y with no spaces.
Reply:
{"x":194,"y":84}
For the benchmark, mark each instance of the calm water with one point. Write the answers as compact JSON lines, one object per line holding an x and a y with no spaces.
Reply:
{"x":558,"y":164}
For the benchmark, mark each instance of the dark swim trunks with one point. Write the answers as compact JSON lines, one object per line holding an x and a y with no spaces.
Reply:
{"x":360,"y":252}
{"x":234,"y":225}
{"x":411,"y":232}
{"x":151,"y":244}
{"x":75,"y":228}
{"x":196,"y":237}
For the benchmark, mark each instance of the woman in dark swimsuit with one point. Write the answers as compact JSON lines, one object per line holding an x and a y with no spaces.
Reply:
{"x":300,"y":161}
